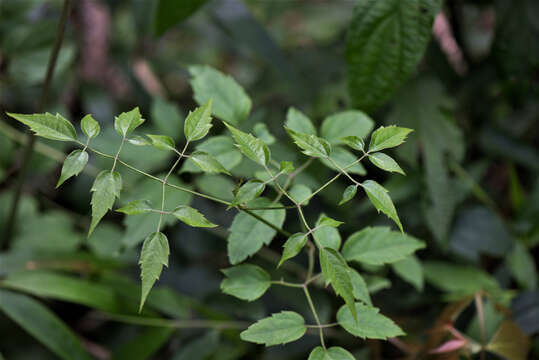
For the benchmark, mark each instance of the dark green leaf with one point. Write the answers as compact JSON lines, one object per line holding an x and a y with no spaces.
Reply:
{"x":293,"y":246}
{"x":230,"y":102}
{"x":106,"y":188}
{"x":379,"y":245}
{"x":191,"y":217}
{"x":410,"y":270}
{"x":310,"y":144}
{"x":386,"y":41}
{"x":89,"y":126}
{"x":522,"y":266}
{"x":348,"y":194}
{"x":145,"y":344}
{"x":246,"y":282}
{"x":370,"y":324}
{"x":280,"y":328}
{"x":54,"y":127}
{"x":74,"y":163}
{"x":153,"y":256}
{"x":169,"y":13}
{"x":380,"y":199}
{"x":42,"y":324}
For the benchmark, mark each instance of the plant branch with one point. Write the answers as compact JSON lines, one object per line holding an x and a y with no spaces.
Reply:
{"x":315,"y":314}
{"x":29,"y":148}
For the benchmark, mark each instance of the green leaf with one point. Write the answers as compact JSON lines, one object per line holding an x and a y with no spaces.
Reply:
{"x":386,"y":40}
{"x":138,"y":140}
{"x":144,"y":345}
{"x":52,"y":285}
{"x":250,"y":146}
{"x":380,"y":199}
{"x":344,"y":158}
{"x":333,"y":353}
{"x":198,"y":123}
{"x":54,"y":127}
{"x":300,"y":193}
{"x":376,"y":283}
{"x":207,"y":163}
{"x":74,"y":163}
{"x":248,"y":191}
{"x":379,"y":245}
{"x":221,"y":148}
{"x":167,"y":117}
{"x":354,"y":142}
{"x":410,"y":269}
{"x":230,"y":102}
{"x":310,"y":144}
{"x":262,"y":132}
{"x":287,"y":167}
{"x":162,"y":142}
{"x":370,"y":323}
{"x":522,"y":266}
{"x":246,"y":282}
{"x":106,"y":188}
{"x":202,"y":348}
{"x":90,"y":127}
{"x":339,"y":274}
{"x":126,"y":122}
{"x":388,"y":137}
{"x":192,"y":217}
{"x":327,"y":221}
{"x":247,"y":234}
{"x":42,"y":324}
{"x":280,"y":328}
{"x":348,"y":194}
{"x":136,"y":207}
{"x":326,"y":236}
{"x":168,"y":13}
{"x":299,"y":122}
{"x":293,"y":246}
{"x":347,"y":123}
{"x":361,"y":290}
{"x":153,"y":256}
{"x":385,"y":162}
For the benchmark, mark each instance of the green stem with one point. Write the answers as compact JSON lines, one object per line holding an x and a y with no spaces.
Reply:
{"x":315,"y":314}
{"x":287,"y":284}
{"x":29,"y":148}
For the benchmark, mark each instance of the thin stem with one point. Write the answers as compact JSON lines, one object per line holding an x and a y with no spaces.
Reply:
{"x":343,"y":171}
{"x":163,"y":193}
{"x":291,"y":176}
{"x":115,"y":156}
{"x":29,"y":148}
{"x":285,"y":283}
{"x":323,"y":326}
{"x":481,"y":317}
{"x":315,"y":314}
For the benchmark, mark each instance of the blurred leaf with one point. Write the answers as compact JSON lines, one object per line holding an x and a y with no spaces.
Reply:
{"x":492,"y":319}
{"x":146,"y":344}
{"x":370,"y":324}
{"x":153,"y":256}
{"x":167,"y":117}
{"x":201,"y":348}
{"x":386,"y":41}
{"x":346,"y":123}
{"x":216,"y":185}
{"x":343,"y":158}
{"x":293,"y":246}
{"x":247,"y":234}
{"x":221,"y":148}
{"x":280,"y":328}
{"x":300,"y":193}
{"x":29,"y":68}
{"x":169,"y":13}
{"x":42,"y":324}
{"x":299,"y":122}
{"x":522,"y":266}
{"x":246,"y":282}
{"x":410,"y":270}
{"x":262,"y":132}
{"x":510,"y":342}
{"x":230,"y":102}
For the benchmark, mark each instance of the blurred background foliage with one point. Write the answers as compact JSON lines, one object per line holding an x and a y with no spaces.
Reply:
{"x":471,"y":190}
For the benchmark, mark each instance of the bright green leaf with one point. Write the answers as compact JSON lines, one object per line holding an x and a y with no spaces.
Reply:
{"x":136,"y":207}
{"x":246,"y":282}
{"x":370,"y":324}
{"x":287,"y":167}
{"x":380,"y":199}
{"x":385,"y":162}
{"x":379,"y":245}
{"x":153,"y":256}
{"x":74,"y":163}
{"x":388,"y":137}
{"x":250,"y":146}
{"x":346,"y":123}
{"x":90,"y":127}
{"x":207,"y":163}
{"x":348,"y":194}
{"x":191,"y":217}
{"x":293,"y":246}
{"x":42,"y":324}
{"x":280,"y":328}
{"x":230,"y":102}
{"x":333,"y":353}
{"x":106,"y":188}
{"x":310,"y":144}
{"x":248,"y":191}
{"x":354,"y":142}
{"x":54,"y":127}
{"x":126,"y":122}
{"x":162,"y":142}
{"x":198,"y":123}
{"x":410,"y":270}
{"x":299,"y":122}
